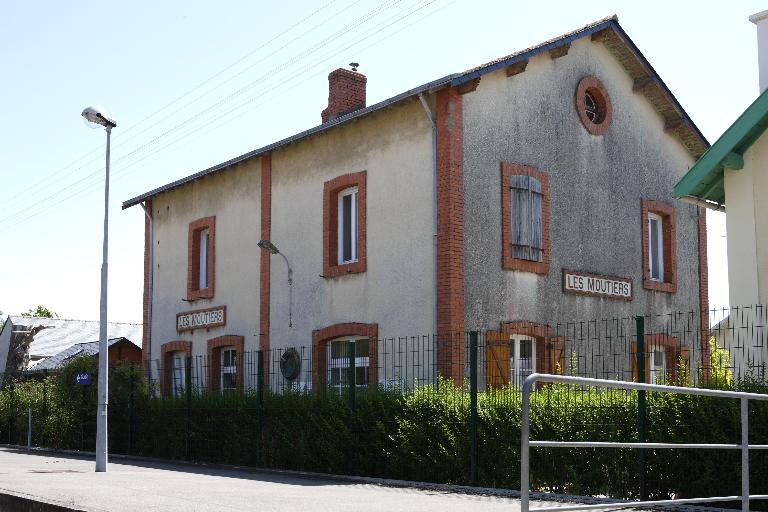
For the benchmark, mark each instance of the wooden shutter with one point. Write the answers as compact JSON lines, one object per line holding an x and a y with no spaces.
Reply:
{"x":497,"y":359}
{"x":526,"y":222}
{"x":557,"y":356}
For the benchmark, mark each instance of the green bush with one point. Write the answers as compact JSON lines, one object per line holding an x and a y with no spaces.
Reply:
{"x":421,"y":435}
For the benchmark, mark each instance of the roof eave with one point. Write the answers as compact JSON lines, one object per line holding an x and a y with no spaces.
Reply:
{"x":426,"y":88}
{"x":709,"y":169}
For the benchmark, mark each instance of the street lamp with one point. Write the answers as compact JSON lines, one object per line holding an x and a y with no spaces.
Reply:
{"x":268,"y":246}
{"x":95,"y":116}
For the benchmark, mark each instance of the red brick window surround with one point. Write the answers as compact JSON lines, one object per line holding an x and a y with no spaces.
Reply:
{"x":344,"y":207}
{"x":665,"y":358}
{"x":218,"y":364}
{"x":524,"y":219}
{"x":658,"y":222}
{"x":321,"y":338}
{"x":509,"y":355}
{"x":201,"y":256}
{"x":174,"y":375}
{"x":593,"y":105}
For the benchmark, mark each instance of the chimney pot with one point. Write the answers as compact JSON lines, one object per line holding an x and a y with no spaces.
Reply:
{"x":346,"y":93}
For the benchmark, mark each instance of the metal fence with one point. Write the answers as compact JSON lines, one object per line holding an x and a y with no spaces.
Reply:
{"x":675,"y":348}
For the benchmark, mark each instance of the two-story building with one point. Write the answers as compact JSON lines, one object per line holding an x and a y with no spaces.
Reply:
{"x":529,"y":190}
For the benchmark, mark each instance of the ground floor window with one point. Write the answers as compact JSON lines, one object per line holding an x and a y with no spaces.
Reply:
{"x":658,"y":365}
{"x":522,"y":358}
{"x":228,"y":370}
{"x":339,"y":358}
{"x":178,"y":374}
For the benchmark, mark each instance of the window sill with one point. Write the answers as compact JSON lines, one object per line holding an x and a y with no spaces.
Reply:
{"x":660,"y":286}
{"x":194,"y":295}
{"x":358,"y":267}
{"x":537,"y":267}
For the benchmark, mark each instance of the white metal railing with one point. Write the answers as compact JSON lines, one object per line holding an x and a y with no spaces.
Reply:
{"x":526,"y":443}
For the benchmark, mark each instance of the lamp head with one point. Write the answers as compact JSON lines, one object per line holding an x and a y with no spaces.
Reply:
{"x":268,"y":246}
{"x":96,"y":116}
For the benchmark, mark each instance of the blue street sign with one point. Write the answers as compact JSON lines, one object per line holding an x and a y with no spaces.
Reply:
{"x":83,"y":379}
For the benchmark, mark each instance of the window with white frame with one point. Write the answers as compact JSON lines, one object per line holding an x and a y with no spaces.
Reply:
{"x":339,"y":362}
{"x":655,"y":247}
{"x":228,"y":370}
{"x":178,"y":374}
{"x":657,"y":365}
{"x":203,"y":261}
{"x":347,"y":234}
{"x":526,"y":211}
{"x":522,"y":358}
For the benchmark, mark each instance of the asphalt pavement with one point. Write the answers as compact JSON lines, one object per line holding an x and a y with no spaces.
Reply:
{"x":69,"y":482}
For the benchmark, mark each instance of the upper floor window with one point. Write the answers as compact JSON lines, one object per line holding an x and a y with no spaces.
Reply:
{"x":658,"y":246}
{"x":201,"y":254}
{"x":344,"y":225}
{"x":593,"y":105}
{"x":525,"y":219}
{"x":347,"y":239}
{"x":655,"y":247}
{"x":525,"y":194}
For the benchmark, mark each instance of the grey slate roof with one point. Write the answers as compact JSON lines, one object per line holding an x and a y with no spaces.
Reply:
{"x":619,"y":42}
{"x":63,"y":333}
{"x":57,"y":361}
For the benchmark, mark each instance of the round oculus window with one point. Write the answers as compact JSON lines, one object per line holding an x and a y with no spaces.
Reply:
{"x":593,"y":105}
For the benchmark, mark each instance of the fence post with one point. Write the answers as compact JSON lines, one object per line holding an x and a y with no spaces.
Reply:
{"x":641,"y":409}
{"x":744,"y":455}
{"x":130,"y":409}
{"x":351,"y":377}
{"x":473,"y":407}
{"x":259,"y":403}
{"x":45,"y":408}
{"x":188,"y":408}
{"x":29,"y":428}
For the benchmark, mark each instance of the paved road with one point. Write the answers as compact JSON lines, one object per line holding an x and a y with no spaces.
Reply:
{"x":148,"y":487}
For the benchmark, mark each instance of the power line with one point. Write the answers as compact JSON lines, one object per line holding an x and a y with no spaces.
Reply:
{"x":48,"y":205}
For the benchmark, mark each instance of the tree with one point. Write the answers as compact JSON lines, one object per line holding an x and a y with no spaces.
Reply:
{"x":42,"y":312}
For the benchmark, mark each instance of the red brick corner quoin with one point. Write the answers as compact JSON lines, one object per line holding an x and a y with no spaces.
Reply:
{"x":331,"y":190}
{"x":667,"y":214}
{"x":450,"y":234}
{"x":321,"y":337}
{"x":193,"y":257}
{"x":147,"y":296}
{"x":265,"y":265}
{"x":508,"y":262}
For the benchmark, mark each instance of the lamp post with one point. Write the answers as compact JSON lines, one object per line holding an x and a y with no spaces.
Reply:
{"x":268,"y":246}
{"x":95,"y":116}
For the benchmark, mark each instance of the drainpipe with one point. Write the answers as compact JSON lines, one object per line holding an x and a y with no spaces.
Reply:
{"x":431,"y":118}
{"x":148,"y":213}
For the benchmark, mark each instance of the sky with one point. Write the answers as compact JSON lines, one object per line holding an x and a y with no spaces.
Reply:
{"x":194,"y":83}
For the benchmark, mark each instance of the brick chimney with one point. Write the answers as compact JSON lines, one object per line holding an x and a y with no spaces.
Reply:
{"x":761,"y":20}
{"x":346,"y":93}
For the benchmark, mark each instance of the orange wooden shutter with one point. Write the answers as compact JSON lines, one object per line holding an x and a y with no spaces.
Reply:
{"x":497,"y":356}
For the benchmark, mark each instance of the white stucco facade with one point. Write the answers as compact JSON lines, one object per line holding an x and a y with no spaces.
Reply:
{"x":747,"y":225}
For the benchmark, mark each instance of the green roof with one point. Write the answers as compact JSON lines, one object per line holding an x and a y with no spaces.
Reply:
{"x":703,"y":184}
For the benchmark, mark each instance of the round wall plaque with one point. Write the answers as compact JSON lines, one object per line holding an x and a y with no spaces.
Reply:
{"x":290,"y":364}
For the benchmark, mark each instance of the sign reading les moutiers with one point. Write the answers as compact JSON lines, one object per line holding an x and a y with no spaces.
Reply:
{"x":582,"y":283}
{"x":201,"y":319}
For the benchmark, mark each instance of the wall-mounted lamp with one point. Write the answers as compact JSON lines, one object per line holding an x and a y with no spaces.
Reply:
{"x":268,"y":246}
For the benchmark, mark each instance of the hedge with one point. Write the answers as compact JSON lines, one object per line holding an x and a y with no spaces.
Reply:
{"x":422,"y":435}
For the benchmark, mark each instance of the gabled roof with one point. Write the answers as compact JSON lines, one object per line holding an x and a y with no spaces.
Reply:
{"x":58,"y":361}
{"x":61,"y":334}
{"x":704,"y":182}
{"x":606,"y":31}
